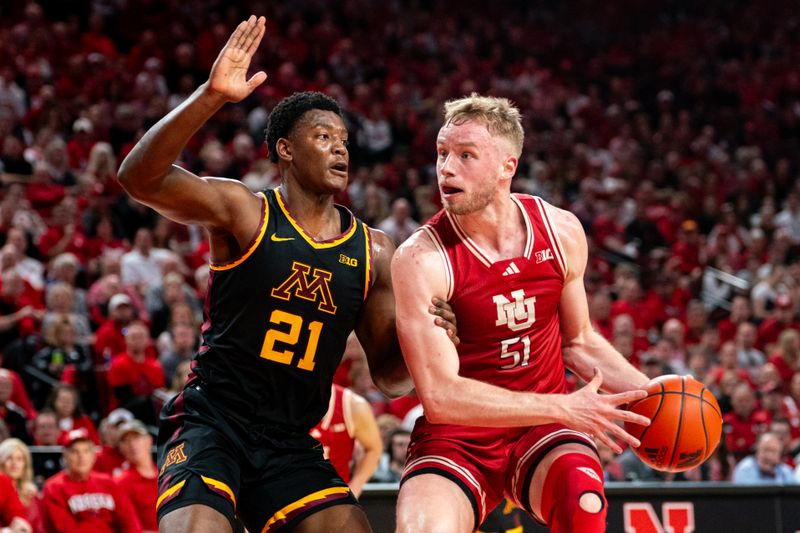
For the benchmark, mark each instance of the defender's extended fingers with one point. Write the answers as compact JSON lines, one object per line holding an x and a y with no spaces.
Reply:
{"x":255,"y":37}
{"x":238,"y":34}
{"x":251,"y":32}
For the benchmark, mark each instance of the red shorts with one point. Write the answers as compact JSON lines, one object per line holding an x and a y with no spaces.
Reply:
{"x":487,"y":463}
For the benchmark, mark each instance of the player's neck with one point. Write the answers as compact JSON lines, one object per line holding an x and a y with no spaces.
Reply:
{"x":314,"y":212}
{"x":499,"y":228}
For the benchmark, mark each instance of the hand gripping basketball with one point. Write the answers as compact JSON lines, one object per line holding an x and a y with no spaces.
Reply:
{"x":596,"y":414}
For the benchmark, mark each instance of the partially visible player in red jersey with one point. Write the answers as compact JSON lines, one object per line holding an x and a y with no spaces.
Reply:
{"x":349,"y":420}
{"x":497,"y":419}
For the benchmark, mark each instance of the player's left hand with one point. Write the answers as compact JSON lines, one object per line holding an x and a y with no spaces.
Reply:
{"x":445,"y":318}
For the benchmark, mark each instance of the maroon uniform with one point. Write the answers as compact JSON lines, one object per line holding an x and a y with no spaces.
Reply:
{"x":96,"y":504}
{"x":335,"y":431}
{"x":510,"y":335}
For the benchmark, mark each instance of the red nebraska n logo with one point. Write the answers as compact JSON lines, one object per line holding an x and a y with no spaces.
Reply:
{"x":640,"y":517}
{"x":308,"y":284}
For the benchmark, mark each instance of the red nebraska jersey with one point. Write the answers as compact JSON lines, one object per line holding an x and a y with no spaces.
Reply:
{"x":96,"y":504}
{"x":143,"y":493}
{"x":507,"y":310}
{"x":335,"y":431}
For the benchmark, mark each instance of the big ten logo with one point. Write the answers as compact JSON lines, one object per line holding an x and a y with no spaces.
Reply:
{"x":640,"y":517}
{"x":349,"y":261}
{"x":517,"y":314}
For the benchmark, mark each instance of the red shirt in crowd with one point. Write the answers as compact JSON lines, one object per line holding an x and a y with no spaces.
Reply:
{"x":86,"y":423}
{"x":741,"y":434}
{"x":96,"y":504}
{"x":109,"y":461}
{"x":770,"y":330}
{"x":143,"y":493}
{"x":143,"y":377}
{"x":10,"y":506}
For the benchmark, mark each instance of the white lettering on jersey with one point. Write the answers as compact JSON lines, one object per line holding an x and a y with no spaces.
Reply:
{"x":518,"y":314}
{"x":90,"y":502}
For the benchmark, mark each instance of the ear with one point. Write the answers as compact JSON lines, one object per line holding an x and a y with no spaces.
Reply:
{"x":510,"y":167}
{"x":284,"y":148}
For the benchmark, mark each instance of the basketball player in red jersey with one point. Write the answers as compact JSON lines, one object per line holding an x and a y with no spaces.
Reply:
{"x":497,"y":420}
{"x":349,"y":420}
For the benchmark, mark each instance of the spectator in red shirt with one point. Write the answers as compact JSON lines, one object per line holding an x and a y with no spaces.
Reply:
{"x":786,"y":356}
{"x":745,"y":423}
{"x":63,"y":234}
{"x":110,"y":459}
{"x":110,"y":338}
{"x":140,"y":479}
{"x":65,"y":401}
{"x":79,"y":500}
{"x":12,"y":513}
{"x":687,"y":250}
{"x":781,"y":318}
{"x":600,"y":311}
{"x":740,"y":313}
{"x":133,"y":376}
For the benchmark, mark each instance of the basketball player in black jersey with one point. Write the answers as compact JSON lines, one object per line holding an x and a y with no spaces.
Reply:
{"x":291,"y":275}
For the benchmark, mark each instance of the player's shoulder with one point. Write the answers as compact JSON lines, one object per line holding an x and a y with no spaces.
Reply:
{"x":566,"y":224}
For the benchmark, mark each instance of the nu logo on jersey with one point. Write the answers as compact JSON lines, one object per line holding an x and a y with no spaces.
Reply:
{"x":544,"y":255}
{"x":308,"y":284}
{"x":517,"y":314}
{"x":174,"y":457}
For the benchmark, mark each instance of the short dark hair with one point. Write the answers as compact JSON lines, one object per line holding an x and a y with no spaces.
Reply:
{"x":289,"y":110}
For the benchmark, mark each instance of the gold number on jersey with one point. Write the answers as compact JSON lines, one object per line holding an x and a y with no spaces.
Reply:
{"x":507,"y":353}
{"x":290,"y":338}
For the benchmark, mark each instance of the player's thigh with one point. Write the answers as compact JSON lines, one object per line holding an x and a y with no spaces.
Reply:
{"x":540,"y":474}
{"x":431,"y":503}
{"x":350,"y":518}
{"x":194,"y":519}
{"x":293,"y":488}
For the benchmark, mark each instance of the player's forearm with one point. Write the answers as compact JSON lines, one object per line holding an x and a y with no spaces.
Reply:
{"x":475,"y":403}
{"x":364,"y":470}
{"x":151,"y":159}
{"x":593,"y":350}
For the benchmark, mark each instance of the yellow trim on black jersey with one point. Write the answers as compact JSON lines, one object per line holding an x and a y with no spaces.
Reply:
{"x":169,"y":492}
{"x":368,"y":256}
{"x":319,"y":495}
{"x":261,"y":231}
{"x":221,"y":486}
{"x":328,"y":244}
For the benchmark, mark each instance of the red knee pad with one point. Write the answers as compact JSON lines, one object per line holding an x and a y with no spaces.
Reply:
{"x":572,"y":496}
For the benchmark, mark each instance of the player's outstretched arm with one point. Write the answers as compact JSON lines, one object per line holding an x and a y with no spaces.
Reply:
{"x":148,"y":173}
{"x":584,"y":349}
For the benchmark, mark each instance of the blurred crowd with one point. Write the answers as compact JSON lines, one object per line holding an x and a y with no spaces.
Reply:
{"x":671,"y":130}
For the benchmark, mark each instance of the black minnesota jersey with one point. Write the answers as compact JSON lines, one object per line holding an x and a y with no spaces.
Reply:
{"x":278,"y":317}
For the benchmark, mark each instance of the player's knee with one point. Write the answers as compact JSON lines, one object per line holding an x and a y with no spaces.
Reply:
{"x":572,"y":497}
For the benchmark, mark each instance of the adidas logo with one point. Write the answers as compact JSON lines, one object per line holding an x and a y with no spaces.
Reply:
{"x":511,"y":269}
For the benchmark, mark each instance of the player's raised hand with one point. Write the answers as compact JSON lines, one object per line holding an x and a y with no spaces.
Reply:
{"x":228,"y":76}
{"x":593,"y":413}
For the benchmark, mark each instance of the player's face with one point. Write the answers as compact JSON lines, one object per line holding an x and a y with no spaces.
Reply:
{"x":319,"y":151}
{"x":470,"y":166}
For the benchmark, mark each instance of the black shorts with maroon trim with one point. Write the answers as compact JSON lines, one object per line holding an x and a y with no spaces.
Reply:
{"x":266,"y":478}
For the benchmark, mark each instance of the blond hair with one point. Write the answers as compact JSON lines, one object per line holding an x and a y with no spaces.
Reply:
{"x":24,"y":485}
{"x":500,"y":116}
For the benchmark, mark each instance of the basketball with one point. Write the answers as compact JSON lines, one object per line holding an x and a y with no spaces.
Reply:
{"x":685,"y":427}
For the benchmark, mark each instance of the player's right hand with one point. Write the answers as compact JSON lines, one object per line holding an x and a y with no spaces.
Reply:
{"x":589,"y":411}
{"x":228,"y":76}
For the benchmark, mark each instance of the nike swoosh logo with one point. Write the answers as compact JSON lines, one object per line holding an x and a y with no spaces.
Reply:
{"x":275,"y":238}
